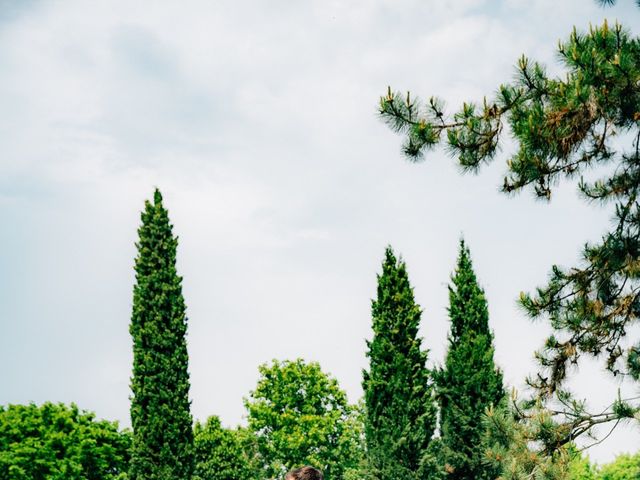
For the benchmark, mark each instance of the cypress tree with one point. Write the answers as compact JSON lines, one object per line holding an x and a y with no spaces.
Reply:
{"x":469,"y":382}
{"x":162,"y":425}
{"x":400,"y":407}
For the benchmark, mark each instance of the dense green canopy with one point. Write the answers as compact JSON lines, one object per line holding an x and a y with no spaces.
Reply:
{"x":160,"y":415}
{"x":300,"y":416}
{"x":221,"y":453}
{"x":60,"y":442}
{"x":398,"y":389}
{"x":469,"y":383}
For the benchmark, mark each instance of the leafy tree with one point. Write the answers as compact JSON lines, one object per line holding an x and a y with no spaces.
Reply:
{"x":624,"y":467}
{"x":580,"y":468}
{"x":469,"y":383}
{"x":160,"y":416}
{"x":398,"y":391}
{"x":358,"y":466}
{"x":563,"y":127}
{"x":222,"y":454}
{"x":300,"y":416}
{"x":60,"y":442}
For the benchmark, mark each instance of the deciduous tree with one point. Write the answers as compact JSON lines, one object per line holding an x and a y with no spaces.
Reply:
{"x":300,"y":416}
{"x":624,"y":467}
{"x":56,"y":442}
{"x":222,"y":453}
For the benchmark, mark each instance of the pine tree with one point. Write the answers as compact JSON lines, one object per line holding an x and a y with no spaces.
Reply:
{"x":608,"y":3}
{"x":469,"y":383}
{"x":562,"y":127}
{"x":400,"y":407}
{"x":162,"y":425}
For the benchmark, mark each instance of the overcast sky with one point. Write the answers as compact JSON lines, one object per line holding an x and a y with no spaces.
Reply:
{"x":258,"y":122}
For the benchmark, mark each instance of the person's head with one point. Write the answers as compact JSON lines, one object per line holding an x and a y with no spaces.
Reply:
{"x":304,"y":473}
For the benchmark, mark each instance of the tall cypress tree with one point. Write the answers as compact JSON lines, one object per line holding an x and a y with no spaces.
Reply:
{"x":162,"y":425}
{"x":400,"y":408}
{"x":469,"y":381}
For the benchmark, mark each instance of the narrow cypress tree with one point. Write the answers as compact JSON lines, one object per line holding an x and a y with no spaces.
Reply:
{"x":469,"y":381}
{"x":400,"y":408}
{"x":162,"y":425}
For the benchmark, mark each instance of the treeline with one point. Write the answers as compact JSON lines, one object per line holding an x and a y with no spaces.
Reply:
{"x":297,"y":414}
{"x":55,"y":441}
{"x":414,"y":422}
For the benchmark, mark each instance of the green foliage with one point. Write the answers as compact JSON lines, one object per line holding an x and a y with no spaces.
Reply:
{"x":624,"y":467}
{"x":358,"y":466}
{"x":564,"y":127}
{"x":511,"y":444}
{"x":469,"y":383}
{"x":399,"y":398}
{"x":300,"y":416}
{"x":59,"y":442}
{"x":222,"y":454}
{"x":160,"y":416}
{"x":580,"y":468}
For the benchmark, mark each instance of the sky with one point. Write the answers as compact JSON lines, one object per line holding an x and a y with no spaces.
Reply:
{"x":258,"y":122}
